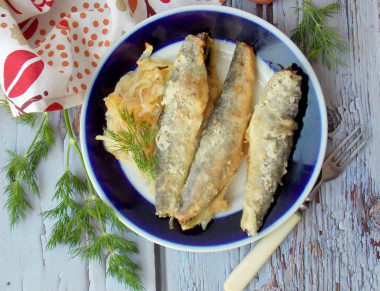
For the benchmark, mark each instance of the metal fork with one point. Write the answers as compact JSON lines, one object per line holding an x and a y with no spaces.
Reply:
{"x":252,"y":263}
{"x":333,"y":165}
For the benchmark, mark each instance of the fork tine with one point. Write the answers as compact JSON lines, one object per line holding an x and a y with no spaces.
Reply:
{"x":333,"y":154}
{"x":347,"y":150}
{"x":349,"y":159}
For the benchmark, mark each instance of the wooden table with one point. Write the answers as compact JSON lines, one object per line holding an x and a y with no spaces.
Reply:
{"x":335,"y":247}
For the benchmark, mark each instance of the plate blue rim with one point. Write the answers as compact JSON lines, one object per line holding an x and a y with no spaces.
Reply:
{"x":158,"y":232}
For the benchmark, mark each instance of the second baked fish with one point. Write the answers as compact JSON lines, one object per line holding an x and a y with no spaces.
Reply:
{"x":220,"y":149}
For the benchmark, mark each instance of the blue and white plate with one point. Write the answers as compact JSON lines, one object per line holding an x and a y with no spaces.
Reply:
{"x":125,"y":190}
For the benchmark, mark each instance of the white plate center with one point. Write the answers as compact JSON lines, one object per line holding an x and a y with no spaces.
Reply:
{"x":235,"y":191}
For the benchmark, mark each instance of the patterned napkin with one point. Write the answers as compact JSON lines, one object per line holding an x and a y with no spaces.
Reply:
{"x":50,"y":49}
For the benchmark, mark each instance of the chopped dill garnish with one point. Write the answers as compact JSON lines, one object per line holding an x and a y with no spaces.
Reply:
{"x":135,"y":139}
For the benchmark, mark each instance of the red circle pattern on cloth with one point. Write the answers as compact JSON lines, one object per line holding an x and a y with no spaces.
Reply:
{"x":51,"y":48}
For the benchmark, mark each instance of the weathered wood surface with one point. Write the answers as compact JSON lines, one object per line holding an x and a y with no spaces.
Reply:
{"x":25,"y":263}
{"x":336,"y":246}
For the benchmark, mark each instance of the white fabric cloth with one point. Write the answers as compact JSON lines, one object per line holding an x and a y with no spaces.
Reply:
{"x":50,"y":48}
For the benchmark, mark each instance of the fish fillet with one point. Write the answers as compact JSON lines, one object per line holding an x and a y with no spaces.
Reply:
{"x":184,"y":100}
{"x":270,"y":136}
{"x":220,"y":149}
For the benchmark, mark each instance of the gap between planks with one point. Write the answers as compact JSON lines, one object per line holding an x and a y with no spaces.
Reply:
{"x":265,"y":12}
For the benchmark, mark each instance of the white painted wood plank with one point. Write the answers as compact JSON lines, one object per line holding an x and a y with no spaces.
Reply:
{"x":335,"y":247}
{"x":25,"y":263}
{"x":337,"y":244}
{"x":334,"y":236}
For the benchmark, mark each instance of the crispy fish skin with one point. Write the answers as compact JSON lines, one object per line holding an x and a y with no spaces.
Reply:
{"x":270,"y":136}
{"x":184,"y":101}
{"x":214,"y":85}
{"x":220,"y":149}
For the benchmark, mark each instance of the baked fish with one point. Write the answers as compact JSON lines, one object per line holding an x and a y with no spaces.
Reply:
{"x":220,"y":148}
{"x":184,"y":100}
{"x":270,"y":136}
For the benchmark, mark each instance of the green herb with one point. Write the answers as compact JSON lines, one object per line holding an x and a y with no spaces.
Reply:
{"x":137,"y":136}
{"x":20,"y":169}
{"x":81,"y":213}
{"x":26,"y":119}
{"x":68,"y":227}
{"x":118,"y":249}
{"x":5,"y":105}
{"x":315,"y":38}
{"x":76,"y":220}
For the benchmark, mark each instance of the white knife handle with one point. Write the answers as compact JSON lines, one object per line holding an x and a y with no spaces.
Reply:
{"x":256,"y":258}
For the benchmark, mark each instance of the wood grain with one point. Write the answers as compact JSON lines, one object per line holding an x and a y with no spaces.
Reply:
{"x":336,"y":246}
{"x":25,"y":263}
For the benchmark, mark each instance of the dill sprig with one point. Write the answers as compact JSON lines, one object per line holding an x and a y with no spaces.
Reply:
{"x":20,"y":168}
{"x":315,"y":38}
{"x":116,"y":250}
{"x":75,"y":221}
{"x":69,"y":226}
{"x":81,"y":217}
{"x":5,"y":106}
{"x":135,"y":139}
{"x":25,"y":119}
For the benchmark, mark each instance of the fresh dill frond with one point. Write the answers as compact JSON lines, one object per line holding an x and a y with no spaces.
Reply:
{"x":42,"y":146}
{"x":80,"y":220}
{"x":28,"y":118}
{"x":108,"y":214}
{"x":5,"y":105}
{"x":124,"y":270}
{"x":116,"y":224}
{"x":315,"y":38}
{"x":135,"y":139}
{"x":16,"y":196}
{"x":71,"y":221}
{"x":25,"y":119}
{"x":59,"y":233}
{"x":80,"y":215}
{"x":106,"y":242}
{"x":17,"y":204}
{"x":75,"y":220}
{"x":118,"y":248}
{"x":20,"y":169}
{"x":69,"y":185}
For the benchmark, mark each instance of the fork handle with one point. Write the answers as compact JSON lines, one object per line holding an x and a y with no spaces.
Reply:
{"x":256,"y":258}
{"x":313,"y":192}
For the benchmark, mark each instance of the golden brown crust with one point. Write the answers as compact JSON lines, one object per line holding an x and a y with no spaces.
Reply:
{"x":214,"y":85}
{"x":184,"y":100}
{"x":220,"y":149}
{"x":270,"y":135}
